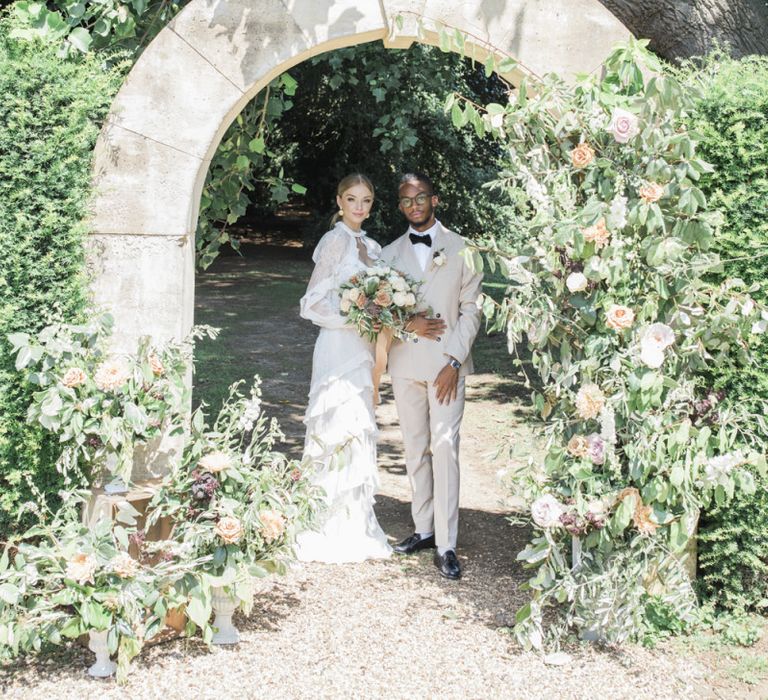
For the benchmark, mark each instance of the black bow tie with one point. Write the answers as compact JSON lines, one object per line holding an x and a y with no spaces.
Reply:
{"x":426,"y":239}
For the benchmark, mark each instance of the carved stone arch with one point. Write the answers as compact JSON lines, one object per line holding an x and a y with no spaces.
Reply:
{"x":202,"y":69}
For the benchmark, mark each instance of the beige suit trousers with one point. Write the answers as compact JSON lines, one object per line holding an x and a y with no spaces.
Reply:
{"x":431,"y":441}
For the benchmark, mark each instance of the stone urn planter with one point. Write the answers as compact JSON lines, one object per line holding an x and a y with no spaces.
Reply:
{"x":224,"y":605}
{"x":97,"y":643}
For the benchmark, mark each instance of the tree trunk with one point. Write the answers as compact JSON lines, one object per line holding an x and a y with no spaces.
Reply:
{"x":679,"y":29}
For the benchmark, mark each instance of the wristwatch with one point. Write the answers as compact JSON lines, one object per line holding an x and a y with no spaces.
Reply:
{"x":454,"y":363}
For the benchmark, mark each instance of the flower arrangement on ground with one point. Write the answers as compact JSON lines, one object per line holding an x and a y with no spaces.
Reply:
{"x":236,"y":504}
{"x":607,"y":284}
{"x":60,"y":580}
{"x":377,"y":298}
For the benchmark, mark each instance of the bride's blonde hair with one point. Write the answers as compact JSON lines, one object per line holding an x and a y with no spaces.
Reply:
{"x":350,"y":181}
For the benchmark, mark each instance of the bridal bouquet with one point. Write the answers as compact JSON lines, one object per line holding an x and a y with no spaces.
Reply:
{"x":378,"y":298}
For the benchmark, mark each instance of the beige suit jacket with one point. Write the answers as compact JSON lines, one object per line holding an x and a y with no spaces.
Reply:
{"x":451,"y":291}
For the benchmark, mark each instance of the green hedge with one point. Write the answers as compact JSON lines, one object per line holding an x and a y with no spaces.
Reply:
{"x":732,"y":118}
{"x":50,"y":113}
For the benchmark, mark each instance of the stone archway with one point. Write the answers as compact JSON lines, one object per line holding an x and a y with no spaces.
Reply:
{"x":167,"y":120}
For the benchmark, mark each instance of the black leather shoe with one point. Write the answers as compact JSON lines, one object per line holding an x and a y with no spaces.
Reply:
{"x":448,"y":564}
{"x":414,"y":543}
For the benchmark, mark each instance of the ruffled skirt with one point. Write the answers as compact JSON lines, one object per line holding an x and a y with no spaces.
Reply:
{"x":340,"y":443}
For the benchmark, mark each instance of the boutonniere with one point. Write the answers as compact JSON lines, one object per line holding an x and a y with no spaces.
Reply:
{"x":439,"y":258}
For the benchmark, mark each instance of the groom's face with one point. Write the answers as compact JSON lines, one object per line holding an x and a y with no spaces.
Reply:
{"x":417,"y":202}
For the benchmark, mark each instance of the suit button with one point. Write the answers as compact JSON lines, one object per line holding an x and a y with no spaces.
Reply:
{"x":437,"y":315}
{"x":415,"y":340}
{"x":437,"y":339}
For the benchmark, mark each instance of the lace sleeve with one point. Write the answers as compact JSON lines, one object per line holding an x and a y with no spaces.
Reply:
{"x":320,"y":304}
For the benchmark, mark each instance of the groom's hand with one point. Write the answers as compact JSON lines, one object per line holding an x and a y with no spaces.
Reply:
{"x":424,"y":327}
{"x":447,"y":383}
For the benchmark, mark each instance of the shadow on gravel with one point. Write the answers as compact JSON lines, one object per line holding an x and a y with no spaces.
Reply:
{"x":487,"y":548}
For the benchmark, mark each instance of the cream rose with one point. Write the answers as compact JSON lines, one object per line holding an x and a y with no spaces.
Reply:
{"x":73,"y":377}
{"x":589,"y":401}
{"x":660,"y":334}
{"x":623,"y":125}
{"x":272,"y":525}
{"x":651,"y":192}
{"x":597,"y":234}
{"x":410,"y":299}
{"x":582,"y":155}
{"x":353,"y":294}
{"x":345,"y":305}
{"x":400,"y":299}
{"x":576,"y":282}
{"x":619,"y":317}
{"x":215,"y":462}
{"x":578,"y":446}
{"x":546,"y":511}
{"x":229,"y":529}
{"x":111,"y":375}
{"x":81,"y":568}
{"x":124,"y":565}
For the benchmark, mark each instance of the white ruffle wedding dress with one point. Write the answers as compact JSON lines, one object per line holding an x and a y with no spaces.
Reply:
{"x":341,"y":426}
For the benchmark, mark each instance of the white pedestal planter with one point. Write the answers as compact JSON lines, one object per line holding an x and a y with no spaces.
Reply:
{"x":224,"y":605}
{"x":98,"y":645}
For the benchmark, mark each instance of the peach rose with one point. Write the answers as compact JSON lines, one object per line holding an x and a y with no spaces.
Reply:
{"x":272,"y":525}
{"x":361,"y":301}
{"x":383,"y":297}
{"x":589,"y":401}
{"x":156,"y":365}
{"x":214,"y":462}
{"x":229,"y":529}
{"x":642,"y":519}
{"x":578,"y":446}
{"x":81,"y":568}
{"x":73,"y":377}
{"x":111,"y":375}
{"x":124,"y":565}
{"x":597,"y":234}
{"x":651,"y":192}
{"x":582,"y":155}
{"x":619,"y":317}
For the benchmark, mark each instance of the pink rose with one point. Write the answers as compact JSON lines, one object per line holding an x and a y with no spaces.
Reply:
{"x":623,"y":125}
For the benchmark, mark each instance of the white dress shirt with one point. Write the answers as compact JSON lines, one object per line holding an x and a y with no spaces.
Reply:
{"x":422,"y":253}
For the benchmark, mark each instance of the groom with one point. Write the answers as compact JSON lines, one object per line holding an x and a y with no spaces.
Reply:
{"x":428,"y":372}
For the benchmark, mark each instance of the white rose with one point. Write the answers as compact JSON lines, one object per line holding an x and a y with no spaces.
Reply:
{"x":651,"y":355}
{"x":345,"y":294}
{"x":410,"y":299}
{"x":345,"y":305}
{"x":400,"y":299}
{"x":546,"y":511}
{"x":659,"y":334}
{"x":576,"y":282}
{"x":623,"y":125}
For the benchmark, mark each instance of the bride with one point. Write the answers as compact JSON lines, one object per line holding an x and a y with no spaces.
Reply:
{"x":341,"y":432}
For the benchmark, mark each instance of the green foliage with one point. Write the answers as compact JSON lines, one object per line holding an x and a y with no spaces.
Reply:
{"x":731,"y":118}
{"x":609,"y":291}
{"x":50,"y":111}
{"x":245,"y":168}
{"x":379,"y":111}
{"x":77,"y":27}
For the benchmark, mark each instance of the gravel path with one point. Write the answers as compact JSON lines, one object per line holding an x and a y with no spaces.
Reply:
{"x":391,"y":629}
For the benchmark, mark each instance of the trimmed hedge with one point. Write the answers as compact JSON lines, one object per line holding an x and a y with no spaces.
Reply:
{"x":732,"y":118}
{"x":50,"y":114}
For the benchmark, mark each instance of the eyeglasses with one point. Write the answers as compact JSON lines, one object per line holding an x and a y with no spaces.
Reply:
{"x":421,"y":198}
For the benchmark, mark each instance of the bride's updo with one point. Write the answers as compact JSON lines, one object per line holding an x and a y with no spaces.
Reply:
{"x":345,"y":183}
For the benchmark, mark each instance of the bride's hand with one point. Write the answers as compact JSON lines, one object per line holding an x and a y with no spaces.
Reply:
{"x":424,"y":327}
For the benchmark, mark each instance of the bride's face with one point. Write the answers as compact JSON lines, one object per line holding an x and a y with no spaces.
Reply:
{"x":355,"y":204}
